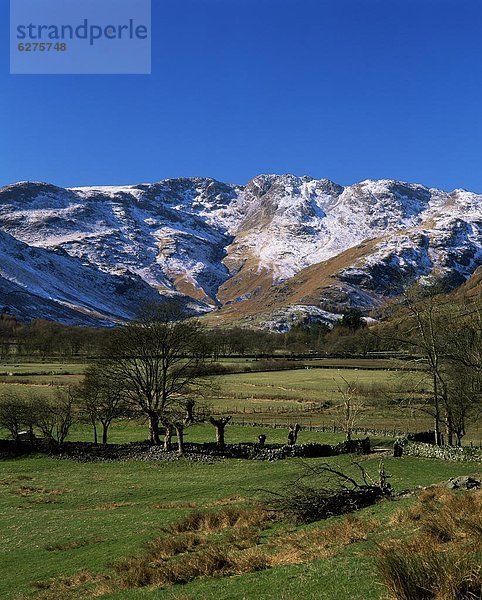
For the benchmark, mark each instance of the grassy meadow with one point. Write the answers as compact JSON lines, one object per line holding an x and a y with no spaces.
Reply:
{"x":59,"y":518}
{"x":389,"y":393}
{"x":65,"y":526}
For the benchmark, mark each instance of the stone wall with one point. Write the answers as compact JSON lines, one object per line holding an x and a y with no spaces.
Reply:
{"x":442,"y":452}
{"x":86,"y":451}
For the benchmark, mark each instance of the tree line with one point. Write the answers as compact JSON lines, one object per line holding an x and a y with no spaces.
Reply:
{"x":445,"y":336}
{"x":44,"y":339}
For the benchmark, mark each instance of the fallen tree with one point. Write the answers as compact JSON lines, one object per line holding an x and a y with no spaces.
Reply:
{"x":336,"y":493}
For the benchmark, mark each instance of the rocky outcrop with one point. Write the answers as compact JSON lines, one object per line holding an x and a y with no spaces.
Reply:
{"x":92,"y":255}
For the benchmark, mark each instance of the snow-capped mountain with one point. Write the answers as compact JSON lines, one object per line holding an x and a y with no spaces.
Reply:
{"x":93,"y":255}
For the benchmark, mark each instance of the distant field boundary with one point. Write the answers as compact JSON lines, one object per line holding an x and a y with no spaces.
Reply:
{"x":322,"y":367}
{"x":390,"y":433}
{"x":245,"y":370}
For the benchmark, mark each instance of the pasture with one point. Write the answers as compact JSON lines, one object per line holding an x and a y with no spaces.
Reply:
{"x":66,"y":524}
{"x":389,"y":394}
{"x":59,"y":518}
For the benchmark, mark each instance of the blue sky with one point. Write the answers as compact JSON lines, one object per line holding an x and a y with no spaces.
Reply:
{"x":344,"y":89}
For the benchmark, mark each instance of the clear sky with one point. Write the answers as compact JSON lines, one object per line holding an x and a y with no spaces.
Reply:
{"x":343,"y":89}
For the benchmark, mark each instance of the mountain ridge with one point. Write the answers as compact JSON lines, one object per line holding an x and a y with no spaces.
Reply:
{"x":217,"y":246}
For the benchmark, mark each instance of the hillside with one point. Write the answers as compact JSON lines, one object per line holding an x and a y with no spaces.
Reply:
{"x":278,"y":247}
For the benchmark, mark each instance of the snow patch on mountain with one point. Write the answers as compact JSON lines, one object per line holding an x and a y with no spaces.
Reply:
{"x":190,"y":236}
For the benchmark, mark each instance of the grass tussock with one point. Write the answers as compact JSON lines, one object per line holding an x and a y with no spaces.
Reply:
{"x":173,"y":505}
{"x":192,"y":548}
{"x":441,"y":560}
{"x":82,"y":584}
{"x":317,"y":543}
{"x":215,"y":521}
{"x":210,"y":561}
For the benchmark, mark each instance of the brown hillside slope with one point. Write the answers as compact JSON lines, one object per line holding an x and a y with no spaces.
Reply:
{"x":316,"y":285}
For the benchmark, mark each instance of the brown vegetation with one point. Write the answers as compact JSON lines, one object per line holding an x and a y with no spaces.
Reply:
{"x":194,"y":551}
{"x":228,"y":517}
{"x":441,"y":560}
{"x":207,"y":544}
{"x":316,"y":543}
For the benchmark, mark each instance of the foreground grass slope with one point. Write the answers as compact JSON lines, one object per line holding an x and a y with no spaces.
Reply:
{"x":58,"y":518}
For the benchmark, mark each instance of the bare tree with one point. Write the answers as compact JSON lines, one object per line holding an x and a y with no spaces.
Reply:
{"x":54,"y":418}
{"x":12,"y":414}
{"x":463,"y":368}
{"x":158,"y":359}
{"x":220,"y":425}
{"x":101,"y":399}
{"x":352,"y":405}
{"x":185,"y":412}
{"x":446,"y":336}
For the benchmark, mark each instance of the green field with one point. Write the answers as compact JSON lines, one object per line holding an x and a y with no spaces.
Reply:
{"x":137,"y":431}
{"x":310,"y":396}
{"x":281,"y":395}
{"x":61,"y":517}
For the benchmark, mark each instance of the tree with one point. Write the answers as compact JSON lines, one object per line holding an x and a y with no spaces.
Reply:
{"x":17,"y":414}
{"x":12,"y":415}
{"x":220,"y":425}
{"x":54,"y":418}
{"x":158,"y":360}
{"x":351,"y":407}
{"x":352,"y":319}
{"x":185,"y":412}
{"x":464,"y":399}
{"x":101,"y":398}
{"x":463,"y":367}
{"x":8,"y":328}
{"x":445,"y":336}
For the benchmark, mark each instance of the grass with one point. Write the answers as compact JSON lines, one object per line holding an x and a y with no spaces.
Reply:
{"x":440,"y":557}
{"x":309,"y":395}
{"x":66,"y":524}
{"x":136,"y":431}
{"x":60,"y":518}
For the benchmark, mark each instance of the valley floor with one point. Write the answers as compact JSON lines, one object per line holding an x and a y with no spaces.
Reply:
{"x":59,"y":518}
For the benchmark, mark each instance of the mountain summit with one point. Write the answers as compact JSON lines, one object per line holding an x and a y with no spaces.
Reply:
{"x":279,"y":245}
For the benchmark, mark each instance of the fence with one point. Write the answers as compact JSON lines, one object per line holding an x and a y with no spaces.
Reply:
{"x":392,"y":433}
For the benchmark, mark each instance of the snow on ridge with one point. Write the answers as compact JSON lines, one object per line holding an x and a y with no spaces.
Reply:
{"x":191,"y":228}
